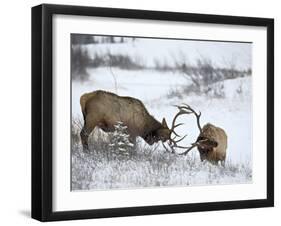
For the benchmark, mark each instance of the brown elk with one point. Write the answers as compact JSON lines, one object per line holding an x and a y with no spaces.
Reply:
{"x":104,"y":109}
{"x":211,"y":142}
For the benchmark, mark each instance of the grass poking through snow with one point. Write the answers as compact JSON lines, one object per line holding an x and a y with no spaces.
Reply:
{"x":148,"y":166}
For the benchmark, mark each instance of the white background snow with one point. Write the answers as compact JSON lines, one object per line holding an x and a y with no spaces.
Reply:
{"x":232,"y":113}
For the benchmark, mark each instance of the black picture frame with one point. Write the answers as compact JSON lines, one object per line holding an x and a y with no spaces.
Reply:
{"x":42,"y":108}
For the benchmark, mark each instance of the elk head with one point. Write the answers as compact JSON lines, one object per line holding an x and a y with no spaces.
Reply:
{"x":211,"y":141}
{"x":162,"y":133}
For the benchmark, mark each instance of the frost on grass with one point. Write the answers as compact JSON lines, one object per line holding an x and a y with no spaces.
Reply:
{"x":206,"y":75}
{"x":147,"y":166}
{"x":111,"y":166}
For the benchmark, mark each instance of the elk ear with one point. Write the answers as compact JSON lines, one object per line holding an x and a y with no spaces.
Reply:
{"x":164,"y":123}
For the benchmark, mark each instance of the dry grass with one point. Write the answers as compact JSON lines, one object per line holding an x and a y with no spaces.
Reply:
{"x":148,"y":166}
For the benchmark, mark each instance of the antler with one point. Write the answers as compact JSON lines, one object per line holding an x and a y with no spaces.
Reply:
{"x":181,"y":112}
{"x":189,"y":149}
{"x":172,"y":142}
{"x":190,"y":110}
{"x":183,"y":109}
{"x":192,"y":146}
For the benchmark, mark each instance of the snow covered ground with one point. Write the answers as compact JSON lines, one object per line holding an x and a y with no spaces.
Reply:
{"x":153,"y":166}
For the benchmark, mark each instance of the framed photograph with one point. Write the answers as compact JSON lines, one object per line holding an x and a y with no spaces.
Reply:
{"x":145,"y":112}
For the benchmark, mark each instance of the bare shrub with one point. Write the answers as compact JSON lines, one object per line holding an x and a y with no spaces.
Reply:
{"x":201,"y":75}
{"x":215,"y":91}
{"x":122,"y":61}
{"x":175,"y":93}
{"x":80,"y":60}
{"x":204,"y":77}
{"x":163,"y":65}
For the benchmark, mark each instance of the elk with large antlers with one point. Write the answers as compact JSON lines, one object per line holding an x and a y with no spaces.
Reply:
{"x":211,"y":142}
{"x":103,"y":109}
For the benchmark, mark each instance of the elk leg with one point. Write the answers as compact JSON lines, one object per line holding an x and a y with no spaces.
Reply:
{"x":84,"y":134}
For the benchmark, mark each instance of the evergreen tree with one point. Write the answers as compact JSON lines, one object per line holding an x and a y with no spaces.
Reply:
{"x":120,"y":144}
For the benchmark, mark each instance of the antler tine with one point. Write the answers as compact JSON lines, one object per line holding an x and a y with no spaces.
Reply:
{"x":189,"y":149}
{"x":197,"y":115}
{"x":192,"y":146}
{"x":173,"y":143}
{"x":175,"y":126}
{"x":181,"y":112}
{"x":179,"y":124}
{"x":179,"y":140}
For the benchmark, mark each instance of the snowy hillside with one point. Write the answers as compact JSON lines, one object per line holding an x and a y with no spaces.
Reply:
{"x":149,"y":50}
{"x":159,"y":91}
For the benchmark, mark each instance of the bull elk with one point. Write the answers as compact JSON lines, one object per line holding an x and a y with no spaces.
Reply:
{"x":104,"y":109}
{"x":211,"y":141}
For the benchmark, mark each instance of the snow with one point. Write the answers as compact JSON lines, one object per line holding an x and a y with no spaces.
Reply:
{"x":233,"y":113}
{"x":149,"y":169}
{"x":165,"y":50}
